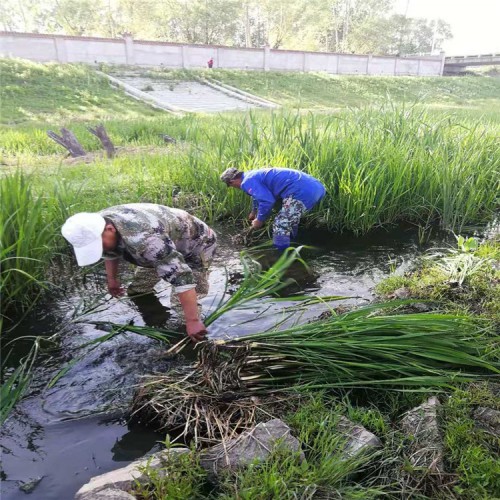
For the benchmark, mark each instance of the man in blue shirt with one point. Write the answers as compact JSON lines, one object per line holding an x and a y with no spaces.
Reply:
{"x":298,"y":191}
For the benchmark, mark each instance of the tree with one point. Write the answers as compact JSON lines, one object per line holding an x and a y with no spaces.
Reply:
{"x":78,"y":17}
{"x":362,"y":26}
{"x":418,"y":35}
{"x":202,"y":21}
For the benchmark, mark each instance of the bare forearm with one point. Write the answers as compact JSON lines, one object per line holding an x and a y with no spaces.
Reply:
{"x":194,"y":326}
{"x":111,"y":270}
{"x":189,"y":303}
{"x":114,"y":287}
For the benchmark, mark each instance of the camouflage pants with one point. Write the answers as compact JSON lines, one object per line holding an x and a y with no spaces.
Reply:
{"x":145,"y":280}
{"x":287,"y":221}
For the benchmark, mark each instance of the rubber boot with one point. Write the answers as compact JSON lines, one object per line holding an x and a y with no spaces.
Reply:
{"x":281,"y":241}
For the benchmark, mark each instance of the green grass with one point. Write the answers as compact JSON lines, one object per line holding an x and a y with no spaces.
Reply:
{"x":56,"y":93}
{"x":471,"y":464}
{"x":326,"y":471}
{"x":471,"y":451}
{"x":457,"y":280}
{"x":379,"y":167}
{"x":29,"y":226}
{"x":325,"y":91}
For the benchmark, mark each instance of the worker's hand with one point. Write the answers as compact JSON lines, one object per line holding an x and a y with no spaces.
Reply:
{"x":257,"y":224}
{"x":196,"y":330}
{"x":252,"y":215}
{"x":115,"y":289}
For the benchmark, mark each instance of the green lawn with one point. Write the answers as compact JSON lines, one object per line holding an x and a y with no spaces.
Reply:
{"x":40,"y":93}
{"x":322,"y":90}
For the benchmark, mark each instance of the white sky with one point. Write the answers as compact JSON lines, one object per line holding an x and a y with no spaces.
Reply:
{"x":475,"y":24}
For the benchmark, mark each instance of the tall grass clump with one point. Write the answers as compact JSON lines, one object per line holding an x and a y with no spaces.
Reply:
{"x":380,"y":167}
{"x":28,"y":228}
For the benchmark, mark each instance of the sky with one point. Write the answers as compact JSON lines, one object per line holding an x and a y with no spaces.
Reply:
{"x":475,"y":24}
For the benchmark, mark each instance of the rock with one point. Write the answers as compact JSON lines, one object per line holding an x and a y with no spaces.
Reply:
{"x":29,"y":486}
{"x":421,"y":307}
{"x":400,"y":293}
{"x":109,"y":494}
{"x":359,"y":440}
{"x":252,"y":445}
{"x":487,"y":419}
{"x":421,"y":425}
{"x":122,"y":480}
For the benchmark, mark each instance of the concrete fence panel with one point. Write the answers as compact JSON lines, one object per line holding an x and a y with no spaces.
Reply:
{"x":95,"y":51}
{"x":232,"y":58}
{"x":406,"y":67}
{"x":352,"y":64}
{"x":430,"y":68}
{"x":285,"y":60}
{"x":197,"y":56}
{"x":26,"y":47}
{"x":381,"y":65}
{"x":91,"y":50}
{"x":169,"y":56}
{"x":315,"y":61}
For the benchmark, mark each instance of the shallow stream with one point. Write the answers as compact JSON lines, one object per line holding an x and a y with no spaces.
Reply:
{"x":76,"y":430}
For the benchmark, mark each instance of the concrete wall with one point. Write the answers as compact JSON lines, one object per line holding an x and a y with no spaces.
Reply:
{"x":125,"y":50}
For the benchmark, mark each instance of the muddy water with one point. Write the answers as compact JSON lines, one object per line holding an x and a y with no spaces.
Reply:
{"x":76,"y":430}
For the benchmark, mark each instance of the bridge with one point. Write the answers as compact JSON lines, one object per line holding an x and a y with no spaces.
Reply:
{"x":456,"y":64}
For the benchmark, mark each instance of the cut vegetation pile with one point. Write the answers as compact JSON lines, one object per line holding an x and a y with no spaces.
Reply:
{"x":371,"y":347}
{"x":359,"y":349}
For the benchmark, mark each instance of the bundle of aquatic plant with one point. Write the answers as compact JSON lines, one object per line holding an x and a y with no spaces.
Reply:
{"x":367,"y":347}
{"x":205,"y":401}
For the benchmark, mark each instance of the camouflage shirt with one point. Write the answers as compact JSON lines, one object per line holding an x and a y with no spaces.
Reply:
{"x":167,"y":239}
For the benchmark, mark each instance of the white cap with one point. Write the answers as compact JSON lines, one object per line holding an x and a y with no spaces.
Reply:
{"x":84,"y":232}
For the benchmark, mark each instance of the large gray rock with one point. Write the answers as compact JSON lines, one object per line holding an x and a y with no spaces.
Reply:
{"x":253,"y":445}
{"x":109,"y":494}
{"x":122,"y":480}
{"x":487,"y":419}
{"x":421,"y":425}
{"x":358,"y":439}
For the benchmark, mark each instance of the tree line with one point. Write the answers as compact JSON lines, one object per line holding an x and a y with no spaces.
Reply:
{"x":359,"y":26}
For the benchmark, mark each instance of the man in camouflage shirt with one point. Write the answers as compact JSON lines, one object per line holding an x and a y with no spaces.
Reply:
{"x":168,"y":240}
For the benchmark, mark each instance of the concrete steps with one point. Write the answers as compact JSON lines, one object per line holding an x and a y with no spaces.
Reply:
{"x":186,"y":96}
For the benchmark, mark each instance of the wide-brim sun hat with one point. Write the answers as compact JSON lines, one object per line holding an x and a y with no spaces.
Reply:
{"x":84,"y":232}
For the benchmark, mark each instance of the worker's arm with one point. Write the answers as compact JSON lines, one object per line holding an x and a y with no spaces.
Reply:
{"x":194,"y":326}
{"x":264,"y":200}
{"x":255,"y":209}
{"x":114,"y":287}
{"x":169,"y":263}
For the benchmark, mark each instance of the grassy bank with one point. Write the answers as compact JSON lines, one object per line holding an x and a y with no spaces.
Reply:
{"x":463,"y":279}
{"x":471,"y":466}
{"x":323,"y":91}
{"x":380,"y":166}
{"x":57,"y":93}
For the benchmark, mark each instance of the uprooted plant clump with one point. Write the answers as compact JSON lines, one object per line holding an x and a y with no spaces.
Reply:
{"x":376,"y":346}
{"x":218,"y":394}
{"x":465,"y":279}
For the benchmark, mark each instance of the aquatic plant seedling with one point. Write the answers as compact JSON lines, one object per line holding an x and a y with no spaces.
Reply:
{"x":461,"y":263}
{"x":365,"y":348}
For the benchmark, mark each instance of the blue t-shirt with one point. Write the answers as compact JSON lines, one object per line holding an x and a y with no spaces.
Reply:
{"x":267,"y":185}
